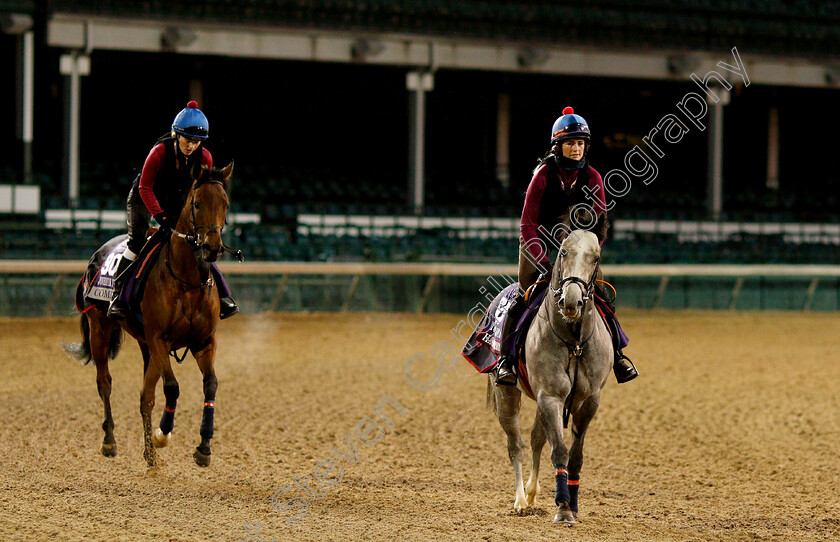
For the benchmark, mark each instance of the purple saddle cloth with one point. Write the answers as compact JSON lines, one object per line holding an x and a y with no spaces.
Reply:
{"x":483,"y":346}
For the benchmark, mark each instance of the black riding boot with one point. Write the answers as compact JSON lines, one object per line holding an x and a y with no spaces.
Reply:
{"x":118,"y":309}
{"x":505,"y":375}
{"x":624,"y":369}
{"x":228,"y":307}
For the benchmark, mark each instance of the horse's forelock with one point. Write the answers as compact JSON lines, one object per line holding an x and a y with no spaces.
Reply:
{"x":581,"y":238}
{"x":211,"y":175}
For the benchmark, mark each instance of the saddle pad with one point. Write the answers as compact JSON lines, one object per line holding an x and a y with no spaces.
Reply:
{"x":482,"y":348}
{"x":607,"y":312}
{"x":102,"y":268}
{"x":97,"y":284}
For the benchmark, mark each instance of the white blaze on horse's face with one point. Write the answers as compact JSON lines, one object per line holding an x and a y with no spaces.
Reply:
{"x":580,"y":254}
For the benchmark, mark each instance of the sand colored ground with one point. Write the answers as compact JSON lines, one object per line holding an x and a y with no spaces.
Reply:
{"x":731,"y":433}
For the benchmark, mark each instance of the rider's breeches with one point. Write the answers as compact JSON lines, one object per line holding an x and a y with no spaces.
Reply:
{"x":528,"y":272}
{"x":224,"y":291}
{"x":137,"y":217}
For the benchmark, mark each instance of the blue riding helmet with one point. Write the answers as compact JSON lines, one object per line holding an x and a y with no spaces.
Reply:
{"x":191,"y":122}
{"x":569,"y":126}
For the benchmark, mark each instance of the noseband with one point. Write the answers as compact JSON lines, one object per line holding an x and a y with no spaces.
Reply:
{"x":586,"y":286}
{"x":193,"y":237}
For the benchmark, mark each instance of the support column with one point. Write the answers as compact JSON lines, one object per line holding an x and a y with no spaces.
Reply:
{"x":28,"y":101}
{"x":20,"y":25}
{"x":73,"y":65}
{"x":715,"y":156}
{"x":503,"y":141}
{"x":419,"y":82}
{"x":773,"y":149}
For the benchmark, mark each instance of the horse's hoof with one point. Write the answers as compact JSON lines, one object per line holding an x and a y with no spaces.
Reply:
{"x":564,"y":516}
{"x":151,"y":458}
{"x":201,"y":459}
{"x":108,"y":450}
{"x":520,"y":507}
{"x":159,"y":439}
{"x":531,"y":496}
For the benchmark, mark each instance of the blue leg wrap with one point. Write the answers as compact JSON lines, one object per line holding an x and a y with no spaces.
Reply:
{"x":561,"y":479}
{"x":574,"y":485}
{"x":167,"y":421}
{"x":206,"y":430}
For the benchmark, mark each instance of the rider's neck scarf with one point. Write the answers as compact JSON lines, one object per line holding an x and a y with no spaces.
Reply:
{"x":569,"y":164}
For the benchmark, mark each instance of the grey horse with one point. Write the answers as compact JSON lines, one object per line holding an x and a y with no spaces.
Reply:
{"x":568,"y":354}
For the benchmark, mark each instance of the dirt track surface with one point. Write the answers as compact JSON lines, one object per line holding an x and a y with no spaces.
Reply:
{"x":731,"y":433}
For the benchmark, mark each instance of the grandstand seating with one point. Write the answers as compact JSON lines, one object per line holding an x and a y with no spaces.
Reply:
{"x":285,"y":201}
{"x":804,"y":28}
{"x":446,"y":244}
{"x":282,"y":196}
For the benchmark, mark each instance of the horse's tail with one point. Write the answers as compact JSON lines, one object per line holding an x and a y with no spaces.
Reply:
{"x":491,"y":395}
{"x":115,"y":342}
{"x":80,"y":351}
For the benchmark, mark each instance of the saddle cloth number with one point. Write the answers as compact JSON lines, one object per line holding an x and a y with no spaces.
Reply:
{"x":111,"y":265}
{"x":103,"y":284}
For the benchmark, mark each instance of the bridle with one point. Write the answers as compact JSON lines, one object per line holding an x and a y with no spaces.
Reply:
{"x":575,"y":348}
{"x":193,"y":237}
{"x":587,"y":287}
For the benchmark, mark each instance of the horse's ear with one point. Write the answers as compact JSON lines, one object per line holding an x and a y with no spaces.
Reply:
{"x":600,"y":229}
{"x":226,"y":173}
{"x":201,"y":172}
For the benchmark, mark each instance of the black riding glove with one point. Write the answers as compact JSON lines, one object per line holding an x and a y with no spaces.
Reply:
{"x":165,"y":221}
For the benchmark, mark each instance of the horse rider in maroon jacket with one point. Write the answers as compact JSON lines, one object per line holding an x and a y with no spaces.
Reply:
{"x":557,"y":185}
{"x":161,"y":191}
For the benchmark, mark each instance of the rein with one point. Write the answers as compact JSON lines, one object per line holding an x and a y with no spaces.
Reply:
{"x":192,"y":237}
{"x":576,"y":348}
{"x":208,"y":282}
{"x":575,"y":353}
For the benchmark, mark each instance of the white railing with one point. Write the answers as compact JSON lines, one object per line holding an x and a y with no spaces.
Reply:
{"x":436,"y":272}
{"x":451,"y":269}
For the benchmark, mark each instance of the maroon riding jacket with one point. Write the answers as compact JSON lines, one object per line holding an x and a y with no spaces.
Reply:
{"x":552,"y":192}
{"x":163,"y":186}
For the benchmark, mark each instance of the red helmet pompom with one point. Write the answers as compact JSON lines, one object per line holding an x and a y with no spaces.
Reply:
{"x":192,"y":104}
{"x":566,"y":111}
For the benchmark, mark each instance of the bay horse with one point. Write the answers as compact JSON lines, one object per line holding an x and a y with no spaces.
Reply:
{"x":180,"y":309}
{"x":568,"y":355}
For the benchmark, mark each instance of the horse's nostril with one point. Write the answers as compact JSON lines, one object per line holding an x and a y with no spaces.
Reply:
{"x":580,"y":303}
